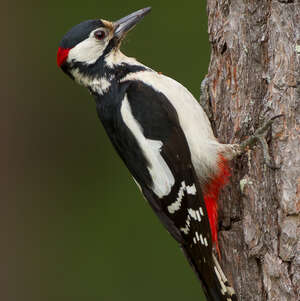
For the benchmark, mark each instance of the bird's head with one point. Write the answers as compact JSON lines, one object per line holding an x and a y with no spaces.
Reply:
{"x":88,"y":47}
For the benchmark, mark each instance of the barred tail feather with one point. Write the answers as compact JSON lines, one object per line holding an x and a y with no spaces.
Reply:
{"x":214,"y":282}
{"x":221,"y":278}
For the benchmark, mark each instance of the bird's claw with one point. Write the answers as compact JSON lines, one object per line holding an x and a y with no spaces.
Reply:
{"x":260,"y":135}
{"x":265,"y":148}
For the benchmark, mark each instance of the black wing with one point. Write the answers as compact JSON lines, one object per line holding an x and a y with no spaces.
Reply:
{"x":182,"y":210}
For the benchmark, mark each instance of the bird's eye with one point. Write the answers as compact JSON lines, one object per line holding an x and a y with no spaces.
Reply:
{"x":99,"y":34}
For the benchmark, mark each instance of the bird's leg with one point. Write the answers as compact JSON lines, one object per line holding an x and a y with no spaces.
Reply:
{"x":258,"y":136}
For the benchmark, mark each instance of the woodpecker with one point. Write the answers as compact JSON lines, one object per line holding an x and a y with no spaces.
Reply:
{"x":163,"y":136}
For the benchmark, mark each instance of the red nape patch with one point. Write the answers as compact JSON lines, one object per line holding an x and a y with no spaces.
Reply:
{"x":62,"y":55}
{"x":211,"y":195}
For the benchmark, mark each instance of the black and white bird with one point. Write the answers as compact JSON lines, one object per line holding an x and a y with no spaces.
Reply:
{"x":163,"y":136}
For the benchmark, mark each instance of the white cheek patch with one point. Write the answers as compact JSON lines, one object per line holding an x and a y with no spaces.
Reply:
{"x":161,"y":175}
{"x":87,"y":51}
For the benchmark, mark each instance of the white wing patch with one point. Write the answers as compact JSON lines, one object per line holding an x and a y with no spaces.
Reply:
{"x":161,"y":175}
{"x":203,"y":145}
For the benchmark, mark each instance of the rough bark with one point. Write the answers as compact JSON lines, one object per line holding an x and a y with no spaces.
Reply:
{"x":254,"y":74}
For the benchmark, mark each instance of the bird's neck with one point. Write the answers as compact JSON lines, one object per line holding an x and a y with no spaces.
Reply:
{"x":117,"y":58}
{"x":99,"y":76}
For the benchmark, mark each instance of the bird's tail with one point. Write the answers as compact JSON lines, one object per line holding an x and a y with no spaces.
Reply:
{"x":226,"y":290}
{"x":214,"y":282}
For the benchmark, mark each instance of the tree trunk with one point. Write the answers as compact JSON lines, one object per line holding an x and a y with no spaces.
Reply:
{"x":254,"y":74}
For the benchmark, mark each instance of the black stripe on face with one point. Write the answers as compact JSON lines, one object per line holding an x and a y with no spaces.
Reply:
{"x":79,"y":33}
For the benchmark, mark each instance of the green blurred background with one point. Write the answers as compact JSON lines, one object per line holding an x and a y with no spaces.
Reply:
{"x":74,"y":224}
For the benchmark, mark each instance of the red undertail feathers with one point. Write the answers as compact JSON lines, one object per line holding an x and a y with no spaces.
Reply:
{"x":211,"y":195}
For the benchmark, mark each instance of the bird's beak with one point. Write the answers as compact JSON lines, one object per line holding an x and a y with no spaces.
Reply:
{"x":125,"y":24}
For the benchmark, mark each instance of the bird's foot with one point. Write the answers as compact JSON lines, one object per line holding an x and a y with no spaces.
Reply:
{"x":258,"y":136}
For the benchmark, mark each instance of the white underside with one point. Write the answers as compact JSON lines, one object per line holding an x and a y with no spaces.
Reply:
{"x":203,"y":145}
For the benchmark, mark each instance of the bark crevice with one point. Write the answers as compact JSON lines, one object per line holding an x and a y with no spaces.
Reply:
{"x":254,"y":74}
